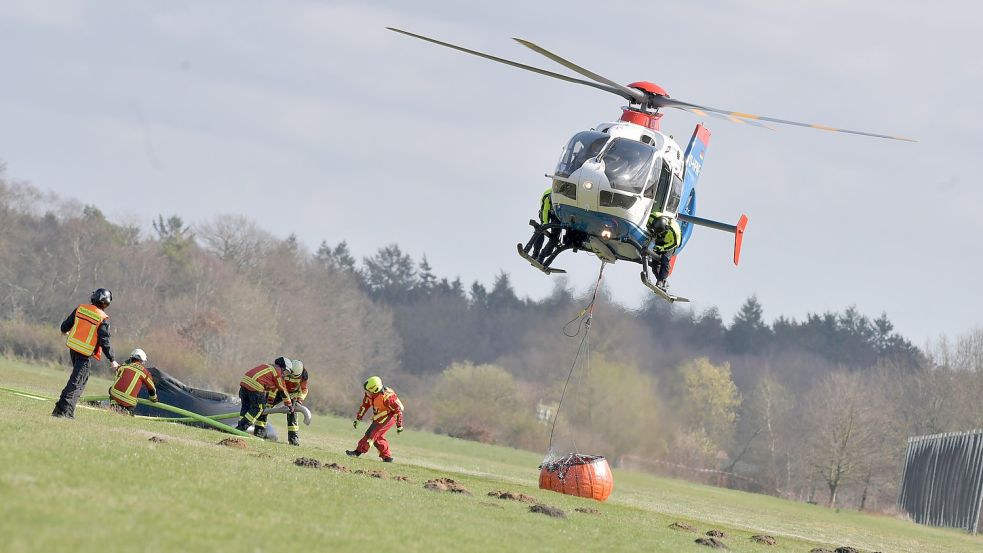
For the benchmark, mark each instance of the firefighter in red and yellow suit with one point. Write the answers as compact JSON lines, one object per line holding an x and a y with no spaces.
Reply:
{"x":130,"y":379}
{"x":254,"y":387}
{"x":87,"y":327}
{"x":387,"y":411}
{"x":296,"y":383}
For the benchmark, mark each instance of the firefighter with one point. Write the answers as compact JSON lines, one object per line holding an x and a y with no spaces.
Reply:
{"x":295,"y":380}
{"x":254,"y":389}
{"x":666,"y":237}
{"x":387,"y":411}
{"x":130,"y":379}
{"x":546,"y":216}
{"x":87,"y":328}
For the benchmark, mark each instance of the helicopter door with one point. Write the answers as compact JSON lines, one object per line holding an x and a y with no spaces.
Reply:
{"x":667,"y":192}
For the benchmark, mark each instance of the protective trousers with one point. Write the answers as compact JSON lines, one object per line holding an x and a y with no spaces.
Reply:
{"x":65,"y":407}
{"x":252,"y":407}
{"x":376,"y":434}
{"x":661,"y":269}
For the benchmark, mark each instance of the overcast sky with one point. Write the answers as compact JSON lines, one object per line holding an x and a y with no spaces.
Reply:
{"x":313,"y":119}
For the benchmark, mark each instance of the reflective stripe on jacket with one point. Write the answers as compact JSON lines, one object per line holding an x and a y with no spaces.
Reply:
{"x":296,"y":388}
{"x":384,"y":404}
{"x":130,"y":379}
{"x":83,"y":338}
{"x":265,"y":378}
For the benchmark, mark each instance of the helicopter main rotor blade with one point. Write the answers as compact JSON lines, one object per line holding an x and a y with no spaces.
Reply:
{"x":630,"y":93}
{"x":740,"y":117}
{"x":627,"y":93}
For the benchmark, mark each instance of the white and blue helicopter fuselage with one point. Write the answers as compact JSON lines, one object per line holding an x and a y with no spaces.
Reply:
{"x":610,"y":179}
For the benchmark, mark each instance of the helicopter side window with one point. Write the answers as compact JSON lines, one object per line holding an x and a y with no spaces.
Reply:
{"x":675,"y":192}
{"x":654,"y":179}
{"x":627,"y":164}
{"x":582,"y":146}
{"x":665,"y":179}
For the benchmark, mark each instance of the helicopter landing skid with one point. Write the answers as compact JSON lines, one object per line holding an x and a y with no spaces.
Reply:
{"x":532,"y":261}
{"x":662,"y":293}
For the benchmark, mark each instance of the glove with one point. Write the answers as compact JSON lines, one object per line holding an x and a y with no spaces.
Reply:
{"x":355,"y":423}
{"x":114,"y":364}
{"x":154,"y":399}
{"x":399,"y":429}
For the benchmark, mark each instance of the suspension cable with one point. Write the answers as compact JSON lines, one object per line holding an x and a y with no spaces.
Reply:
{"x":585,"y":317}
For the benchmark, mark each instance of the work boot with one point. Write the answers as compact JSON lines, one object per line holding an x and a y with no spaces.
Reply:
{"x":387,"y":459}
{"x":293,"y":438}
{"x":260,"y":432}
{"x":352,"y":453}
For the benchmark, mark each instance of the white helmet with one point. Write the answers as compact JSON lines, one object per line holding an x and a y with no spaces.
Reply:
{"x":297,"y":368}
{"x":283,"y":363}
{"x":139,"y":354}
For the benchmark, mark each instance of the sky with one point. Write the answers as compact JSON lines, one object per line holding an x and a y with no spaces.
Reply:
{"x":310,"y":118}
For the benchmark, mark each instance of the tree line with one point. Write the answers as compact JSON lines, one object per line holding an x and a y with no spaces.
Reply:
{"x":816,"y":409}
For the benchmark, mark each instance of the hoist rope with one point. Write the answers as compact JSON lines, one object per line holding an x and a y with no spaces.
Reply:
{"x":585,"y":316}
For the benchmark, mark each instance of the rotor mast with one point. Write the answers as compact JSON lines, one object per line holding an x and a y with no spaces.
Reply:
{"x":639,"y":113}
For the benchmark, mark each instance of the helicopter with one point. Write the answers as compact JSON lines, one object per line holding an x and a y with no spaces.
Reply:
{"x":613,"y":180}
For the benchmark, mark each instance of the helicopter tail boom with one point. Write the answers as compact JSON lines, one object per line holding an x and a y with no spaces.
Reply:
{"x":737,"y":230}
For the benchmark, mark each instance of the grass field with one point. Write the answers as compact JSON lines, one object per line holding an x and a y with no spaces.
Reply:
{"x":97,"y":483}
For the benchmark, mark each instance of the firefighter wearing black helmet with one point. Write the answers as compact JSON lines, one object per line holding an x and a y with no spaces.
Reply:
{"x":87,"y":328}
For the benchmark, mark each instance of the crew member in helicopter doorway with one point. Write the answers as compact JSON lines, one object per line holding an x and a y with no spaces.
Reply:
{"x":666,"y":238}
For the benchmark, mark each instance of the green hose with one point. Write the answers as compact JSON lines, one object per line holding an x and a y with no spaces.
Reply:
{"x":23,"y":393}
{"x":188,"y":415}
{"x":189,"y":419}
{"x":196,"y":417}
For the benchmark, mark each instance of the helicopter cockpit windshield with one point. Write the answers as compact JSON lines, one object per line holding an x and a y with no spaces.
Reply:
{"x":583,"y":146}
{"x":627,"y":164}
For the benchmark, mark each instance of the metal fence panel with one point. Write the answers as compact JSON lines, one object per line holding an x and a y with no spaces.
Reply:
{"x":942,"y":480}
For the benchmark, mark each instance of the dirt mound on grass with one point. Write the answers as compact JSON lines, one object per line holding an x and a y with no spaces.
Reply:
{"x":446,"y":485}
{"x":682,"y":526}
{"x":157,"y":440}
{"x":381,"y":474}
{"x":337,"y":467}
{"x":514,"y":496}
{"x":237,"y":443}
{"x":307,"y":462}
{"x":555,"y":512}
{"x":711,"y":542}
{"x":845,"y":550}
{"x":402,"y":478}
{"x":765,"y":540}
{"x":587,"y":510}
{"x":820,"y":550}
{"x":716,"y":534}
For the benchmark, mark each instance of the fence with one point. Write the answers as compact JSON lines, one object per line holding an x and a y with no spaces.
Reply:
{"x":942,"y":483}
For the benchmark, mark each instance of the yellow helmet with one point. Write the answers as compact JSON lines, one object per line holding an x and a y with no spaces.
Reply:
{"x":373,"y":385}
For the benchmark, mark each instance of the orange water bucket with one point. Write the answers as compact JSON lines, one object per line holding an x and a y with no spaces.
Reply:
{"x":575,"y":474}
